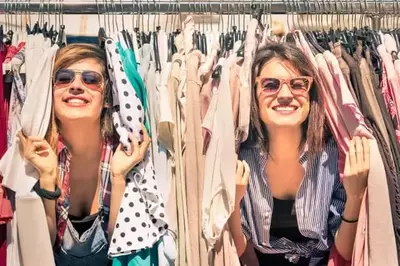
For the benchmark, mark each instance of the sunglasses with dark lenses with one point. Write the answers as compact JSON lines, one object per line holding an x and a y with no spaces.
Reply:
{"x":298,"y":85}
{"x":90,"y":79}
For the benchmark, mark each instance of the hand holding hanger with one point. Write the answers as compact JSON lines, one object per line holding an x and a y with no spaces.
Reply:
{"x":124,"y":161}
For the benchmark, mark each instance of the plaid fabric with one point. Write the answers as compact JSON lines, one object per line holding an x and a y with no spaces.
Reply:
{"x":64,"y":160}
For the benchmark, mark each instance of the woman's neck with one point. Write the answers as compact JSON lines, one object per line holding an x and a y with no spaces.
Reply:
{"x":82,"y":141}
{"x":284,"y":143}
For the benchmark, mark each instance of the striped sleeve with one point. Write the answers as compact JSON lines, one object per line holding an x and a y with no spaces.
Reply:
{"x":336,"y":208}
{"x":245,"y":224}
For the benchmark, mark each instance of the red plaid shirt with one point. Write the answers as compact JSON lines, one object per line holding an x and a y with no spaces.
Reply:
{"x":64,"y":161}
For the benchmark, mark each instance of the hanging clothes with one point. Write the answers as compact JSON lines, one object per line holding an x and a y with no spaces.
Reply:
{"x":3,"y":148}
{"x":370,"y":108}
{"x":345,"y":67}
{"x":143,"y":229}
{"x":391,"y":88}
{"x":177,"y":213}
{"x":18,"y":95}
{"x":128,"y":60}
{"x":20,"y":176}
{"x":218,"y":201}
{"x":17,"y":99}
{"x":251,"y":44}
{"x":351,"y":124}
{"x":194,"y":168}
{"x":159,"y":154}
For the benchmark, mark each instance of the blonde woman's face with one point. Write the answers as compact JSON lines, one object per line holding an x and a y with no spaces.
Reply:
{"x":78,"y":92}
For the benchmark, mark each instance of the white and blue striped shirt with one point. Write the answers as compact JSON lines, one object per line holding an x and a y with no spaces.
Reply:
{"x":319,"y":205}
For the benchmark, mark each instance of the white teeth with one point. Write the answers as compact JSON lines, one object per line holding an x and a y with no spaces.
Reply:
{"x":285,"y":108}
{"x":77,"y":101}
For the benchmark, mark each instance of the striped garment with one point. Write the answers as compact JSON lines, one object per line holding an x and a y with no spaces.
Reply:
{"x":319,"y":205}
{"x":62,"y":208}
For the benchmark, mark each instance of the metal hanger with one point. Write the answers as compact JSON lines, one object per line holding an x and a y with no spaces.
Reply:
{"x":101,"y":35}
{"x":155,"y":41}
{"x":60,"y":41}
{"x":126,"y":35}
{"x":114,"y":18}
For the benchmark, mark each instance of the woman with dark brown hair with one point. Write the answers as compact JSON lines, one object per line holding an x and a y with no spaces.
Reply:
{"x":291,"y":206}
{"x":82,"y":172}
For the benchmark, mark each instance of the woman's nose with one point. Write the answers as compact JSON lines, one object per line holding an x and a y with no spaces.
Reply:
{"x":76,"y":86}
{"x":284,"y":96}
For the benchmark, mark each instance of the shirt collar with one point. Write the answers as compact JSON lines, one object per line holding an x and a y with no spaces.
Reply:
{"x":60,"y":145}
{"x":303,"y":158}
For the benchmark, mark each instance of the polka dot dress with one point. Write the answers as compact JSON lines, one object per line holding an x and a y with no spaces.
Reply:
{"x":141,"y":220}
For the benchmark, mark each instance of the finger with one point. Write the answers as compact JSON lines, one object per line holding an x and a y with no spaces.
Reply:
{"x":146,"y":137}
{"x":38,"y":146}
{"x":239,"y":171}
{"x":359,"y":153}
{"x":21,"y":137}
{"x":35,"y":148}
{"x":146,"y":140}
{"x":352,"y":155}
{"x":367,"y":154}
{"x":34,"y":138}
{"x":42,"y":152}
{"x":134,"y":144}
{"x":246,"y":173}
{"x":346,"y":171}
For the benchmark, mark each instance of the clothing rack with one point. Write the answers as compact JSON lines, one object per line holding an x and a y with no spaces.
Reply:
{"x":221,"y":7}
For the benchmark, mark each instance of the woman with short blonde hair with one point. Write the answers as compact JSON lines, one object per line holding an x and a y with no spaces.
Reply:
{"x":82,"y":172}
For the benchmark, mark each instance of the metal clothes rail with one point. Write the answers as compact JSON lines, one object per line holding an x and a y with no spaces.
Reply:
{"x":204,"y":6}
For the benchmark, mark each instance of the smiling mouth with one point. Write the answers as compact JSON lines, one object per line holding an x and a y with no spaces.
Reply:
{"x":285,"y":109}
{"x":74,"y":102}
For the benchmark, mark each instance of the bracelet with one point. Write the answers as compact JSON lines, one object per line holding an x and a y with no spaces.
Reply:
{"x":43,"y":193}
{"x":349,"y":221}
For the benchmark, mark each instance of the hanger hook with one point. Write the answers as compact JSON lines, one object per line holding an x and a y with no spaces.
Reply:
{"x":14,"y":10}
{"x":98,"y":13}
{"x":113,"y":16}
{"x":287,"y":14}
{"x":304,"y":16}
{"x":154,"y":15}
{"x":62,"y":12}
{"x":148,"y":16}
{"x":220,"y":17}
{"x":108,"y":16}
{"x":48,"y":12}
{"x":122,"y":14}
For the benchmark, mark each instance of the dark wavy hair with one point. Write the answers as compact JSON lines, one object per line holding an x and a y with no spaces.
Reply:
{"x":313,"y":128}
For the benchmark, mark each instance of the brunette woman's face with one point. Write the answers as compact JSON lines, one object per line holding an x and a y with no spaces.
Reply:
{"x":78,"y":92}
{"x":283,"y":95}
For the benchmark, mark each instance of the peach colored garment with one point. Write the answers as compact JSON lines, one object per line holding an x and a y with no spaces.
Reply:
{"x":176,"y":78}
{"x":206,"y":71}
{"x":194,"y":168}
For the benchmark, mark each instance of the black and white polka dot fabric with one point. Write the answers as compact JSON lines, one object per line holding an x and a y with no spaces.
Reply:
{"x":141,"y":220}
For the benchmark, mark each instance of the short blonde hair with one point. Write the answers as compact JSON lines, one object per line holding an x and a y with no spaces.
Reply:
{"x":66,"y":57}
